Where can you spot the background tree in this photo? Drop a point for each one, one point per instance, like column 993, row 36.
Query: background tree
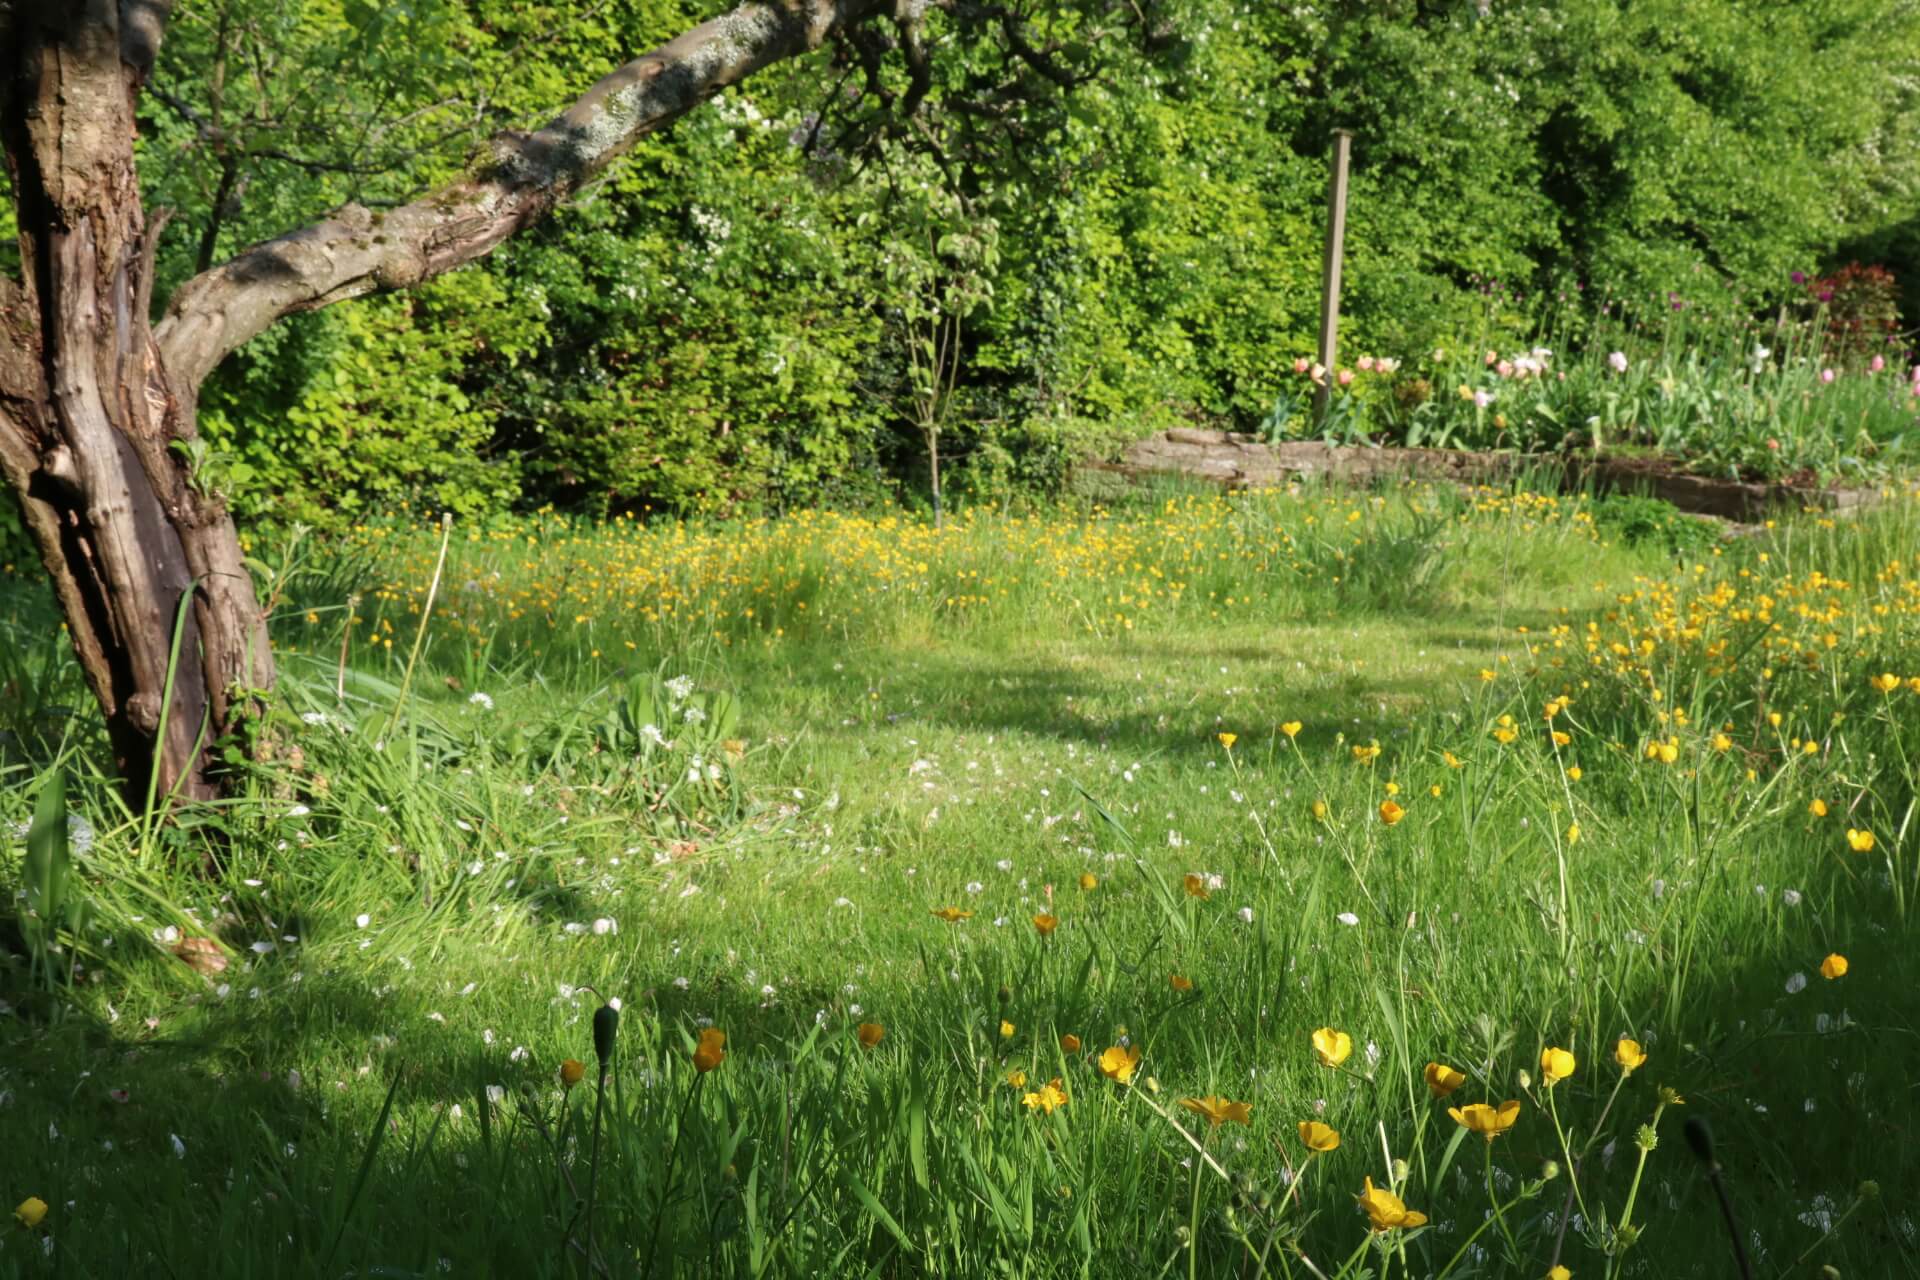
column 95, row 395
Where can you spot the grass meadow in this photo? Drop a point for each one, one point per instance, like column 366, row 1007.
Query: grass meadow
column 1301, row 884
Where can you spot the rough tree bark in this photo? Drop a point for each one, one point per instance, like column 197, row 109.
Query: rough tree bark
column 94, row 395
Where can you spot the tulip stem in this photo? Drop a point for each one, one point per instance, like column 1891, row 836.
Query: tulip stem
column 1193, row 1227
column 673, row 1157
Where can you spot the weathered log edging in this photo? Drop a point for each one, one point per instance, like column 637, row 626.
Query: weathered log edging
column 1236, row 461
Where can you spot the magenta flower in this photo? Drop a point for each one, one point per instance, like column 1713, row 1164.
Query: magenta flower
column 1799, row 277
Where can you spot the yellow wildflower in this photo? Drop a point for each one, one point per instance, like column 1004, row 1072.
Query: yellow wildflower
column 1006, row 1029
column 1319, row 1137
column 1291, row 728
column 572, row 1072
column 1118, row 1063
column 1217, row 1110
column 1089, row 881
column 1228, row 739
column 31, row 1213
column 1834, row 966
column 1442, row 1079
column 1049, row 1095
column 1818, row 808
column 870, row 1033
column 1390, row 812
column 1181, row 984
column 1046, row 923
column 1629, row 1055
column 1197, row 886
column 1017, row 1078
column 1069, row 1043
column 1332, row 1047
column 952, row 915
column 1484, row 1118
column 1860, row 841
column 1556, row 1065
column 1386, row 1210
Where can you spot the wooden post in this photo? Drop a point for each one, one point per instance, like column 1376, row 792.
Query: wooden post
column 1330, row 275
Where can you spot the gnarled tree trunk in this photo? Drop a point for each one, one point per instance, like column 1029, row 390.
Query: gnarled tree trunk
column 89, row 411
column 94, row 397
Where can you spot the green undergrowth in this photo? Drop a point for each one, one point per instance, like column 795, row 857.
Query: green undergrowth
column 432, row 878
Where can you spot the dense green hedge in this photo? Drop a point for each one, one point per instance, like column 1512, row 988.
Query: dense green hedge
column 713, row 328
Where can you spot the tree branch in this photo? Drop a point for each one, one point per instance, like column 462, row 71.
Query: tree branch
column 142, row 23
column 356, row 252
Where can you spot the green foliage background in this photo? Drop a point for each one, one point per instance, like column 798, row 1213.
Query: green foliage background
column 708, row 329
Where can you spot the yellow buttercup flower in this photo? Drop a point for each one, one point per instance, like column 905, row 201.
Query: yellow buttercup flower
column 1118, row 1063
column 1665, row 752
column 1561, row 739
column 1556, row 1065
column 870, row 1033
column 31, row 1212
column 1047, row 1097
column 1573, row 773
column 1197, row 886
column 1503, row 735
column 1320, row 810
column 952, row 915
column 1573, row 834
column 1017, row 1078
column 1885, row 682
column 1045, row 923
column 1332, row 1047
column 1006, row 1029
column 1453, row 761
column 1629, row 1055
column 1390, row 812
column 1818, row 808
column 1089, row 881
column 1558, row 1272
column 1485, row 1119
column 572, row 1072
column 1860, row 841
column 1291, row 728
column 1319, row 1137
column 1217, row 1110
column 1834, row 966
column 1069, row 1043
column 1367, row 754
column 1181, row 984
column 1228, row 739
column 1721, row 742
column 1386, row 1211
column 1442, row 1079
column 710, row 1052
